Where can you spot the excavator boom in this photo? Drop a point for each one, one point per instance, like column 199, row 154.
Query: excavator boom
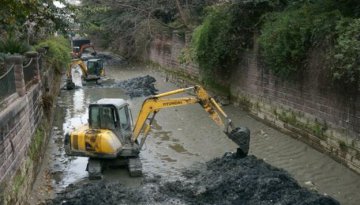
column 152, row 105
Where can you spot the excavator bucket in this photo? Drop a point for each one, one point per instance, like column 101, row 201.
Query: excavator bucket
column 241, row 136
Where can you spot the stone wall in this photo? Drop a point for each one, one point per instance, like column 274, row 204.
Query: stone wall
column 166, row 51
column 308, row 109
column 17, row 124
column 24, row 127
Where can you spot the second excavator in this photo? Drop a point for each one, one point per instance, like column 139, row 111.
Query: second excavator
column 109, row 137
column 92, row 70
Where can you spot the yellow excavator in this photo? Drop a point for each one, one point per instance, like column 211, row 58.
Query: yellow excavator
column 109, row 138
column 92, row 70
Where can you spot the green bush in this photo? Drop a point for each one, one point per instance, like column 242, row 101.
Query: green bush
column 211, row 41
column 287, row 36
column 345, row 69
column 13, row 46
column 58, row 55
column 225, row 33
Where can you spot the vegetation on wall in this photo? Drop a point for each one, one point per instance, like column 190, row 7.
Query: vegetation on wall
column 287, row 37
column 58, row 52
column 345, row 70
column 226, row 31
column 13, row 46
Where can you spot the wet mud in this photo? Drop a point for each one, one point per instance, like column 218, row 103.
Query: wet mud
column 226, row 180
column 139, row 86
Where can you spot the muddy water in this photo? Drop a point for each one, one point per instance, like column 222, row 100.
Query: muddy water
column 183, row 137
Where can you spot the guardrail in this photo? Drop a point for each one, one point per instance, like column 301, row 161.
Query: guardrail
column 20, row 73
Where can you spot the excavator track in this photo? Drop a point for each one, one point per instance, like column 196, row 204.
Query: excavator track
column 135, row 167
column 94, row 168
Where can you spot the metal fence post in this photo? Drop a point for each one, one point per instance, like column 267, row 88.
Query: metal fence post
column 35, row 63
column 17, row 60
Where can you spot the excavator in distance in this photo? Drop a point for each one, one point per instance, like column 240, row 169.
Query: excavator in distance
column 79, row 47
column 109, row 137
column 93, row 70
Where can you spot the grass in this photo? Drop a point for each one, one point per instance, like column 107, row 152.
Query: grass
column 19, row 179
column 36, row 143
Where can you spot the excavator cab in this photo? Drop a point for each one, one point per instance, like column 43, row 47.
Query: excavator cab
column 113, row 115
column 95, row 67
column 76, row 49
column 92, row 70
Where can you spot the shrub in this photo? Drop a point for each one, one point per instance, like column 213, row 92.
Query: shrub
column 225, row 33
column 345, row 69
column 287, row 36
column 59, row 52
column 13, row 46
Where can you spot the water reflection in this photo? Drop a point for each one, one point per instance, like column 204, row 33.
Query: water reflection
column 76, row 74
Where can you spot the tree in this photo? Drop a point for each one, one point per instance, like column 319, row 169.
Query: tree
column 128, row 26
column 26, row 18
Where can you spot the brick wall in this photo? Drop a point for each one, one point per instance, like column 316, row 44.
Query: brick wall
column 17, row 126
column 308, row 96
column 165, row 51
column 21, row 115
column 306, row 107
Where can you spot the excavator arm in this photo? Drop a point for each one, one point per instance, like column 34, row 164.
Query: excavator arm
column 81, row 50
column 74, row 63
column 152, row 106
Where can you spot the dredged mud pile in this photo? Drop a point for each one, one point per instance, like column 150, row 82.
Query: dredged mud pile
column 139, row 86
column 226, row 180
